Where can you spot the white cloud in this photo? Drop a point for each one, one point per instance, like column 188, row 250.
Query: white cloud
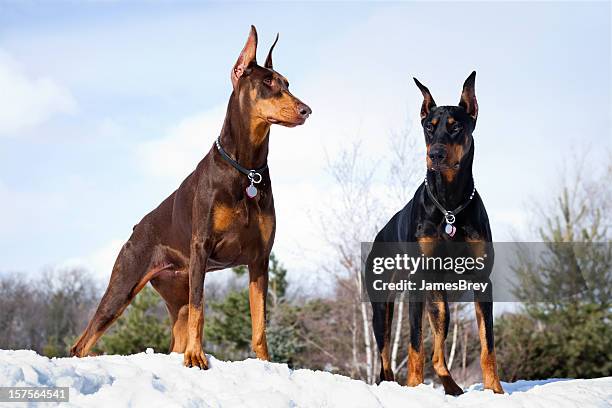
column 353, row 96
column 298, row 156
column 510, row 224
column 99, row 262
column 176, row 155
column 26, row 101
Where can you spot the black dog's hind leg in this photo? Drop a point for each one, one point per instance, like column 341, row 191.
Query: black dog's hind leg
column 437, row 309
column 488, row 363
column 382, row 317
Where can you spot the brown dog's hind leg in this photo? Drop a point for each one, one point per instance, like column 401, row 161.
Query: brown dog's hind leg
column 179, row 316
column 173, row 287
column 258, row 292
column 488, row 363
column 179, row 330
column 438, row 313
column 127, row 279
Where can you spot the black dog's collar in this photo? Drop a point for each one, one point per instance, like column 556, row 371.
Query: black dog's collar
column 253, row 173
column 449, row 215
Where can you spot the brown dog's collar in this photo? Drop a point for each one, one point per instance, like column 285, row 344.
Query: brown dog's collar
column 254, row 175
column 251, row 173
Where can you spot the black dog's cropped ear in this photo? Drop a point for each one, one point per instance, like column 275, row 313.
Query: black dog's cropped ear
column 268, row 63
column 247, row 56
column 428, row 101
column 468, row 96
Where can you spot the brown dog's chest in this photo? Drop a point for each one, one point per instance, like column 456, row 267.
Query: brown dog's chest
column 243, row 231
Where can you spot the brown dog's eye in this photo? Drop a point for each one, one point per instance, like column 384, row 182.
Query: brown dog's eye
column 267, row 81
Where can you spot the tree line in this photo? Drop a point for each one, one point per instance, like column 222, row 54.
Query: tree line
column 566, row 336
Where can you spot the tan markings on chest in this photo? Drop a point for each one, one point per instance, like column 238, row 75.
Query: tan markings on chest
column 223, row 216
column 427, row 245
column 477, row 246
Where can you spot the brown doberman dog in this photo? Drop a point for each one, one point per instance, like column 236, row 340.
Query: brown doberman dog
column 221, row 216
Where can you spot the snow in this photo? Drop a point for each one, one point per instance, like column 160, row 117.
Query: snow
column 160, row 380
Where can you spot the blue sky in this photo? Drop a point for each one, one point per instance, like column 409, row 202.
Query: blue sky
column 105, row 107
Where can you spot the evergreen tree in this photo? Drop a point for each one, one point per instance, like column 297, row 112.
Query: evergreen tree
column 565, row 329
column 284, row 342
column 140, row 327
column 277, row 285
column 228, row 328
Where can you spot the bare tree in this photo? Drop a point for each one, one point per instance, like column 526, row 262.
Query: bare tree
column 455, row 318
column 351, row 219
column 356, row 212
column 45, row 314
column 403, row 177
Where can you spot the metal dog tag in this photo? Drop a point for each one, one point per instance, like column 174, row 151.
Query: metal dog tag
column 251, row 191
column 450, row 230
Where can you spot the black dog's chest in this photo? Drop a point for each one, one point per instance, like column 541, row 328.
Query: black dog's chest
column 438, row 231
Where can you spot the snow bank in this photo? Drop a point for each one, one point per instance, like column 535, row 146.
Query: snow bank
column 160, row 380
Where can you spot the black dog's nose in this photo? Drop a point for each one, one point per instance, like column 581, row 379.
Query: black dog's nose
column 437, row 153
column 304, row 110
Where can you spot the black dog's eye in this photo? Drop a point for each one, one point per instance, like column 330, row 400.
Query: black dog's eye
column 268, row 81
column 429, row 128
column 456, row 129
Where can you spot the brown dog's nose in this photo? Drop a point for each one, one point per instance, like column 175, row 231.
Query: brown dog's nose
column 304, row 110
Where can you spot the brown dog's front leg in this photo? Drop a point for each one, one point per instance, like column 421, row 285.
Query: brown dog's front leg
column 258, row 292
column 194, row 354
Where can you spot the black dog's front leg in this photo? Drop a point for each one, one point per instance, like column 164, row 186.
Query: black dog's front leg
column 416, row 350
column 488, row 362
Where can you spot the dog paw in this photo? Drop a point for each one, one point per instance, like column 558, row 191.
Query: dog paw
column 450, row 386
column 195, row 358
column 495, row 387
column 76, row 351
column 453, row 390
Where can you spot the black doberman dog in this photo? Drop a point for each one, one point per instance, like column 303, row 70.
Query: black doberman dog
column 424, row 220
column 222, row 215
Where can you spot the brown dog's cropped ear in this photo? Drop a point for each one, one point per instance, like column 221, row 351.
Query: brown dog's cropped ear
column 428, row 101
column 468, row 96
column 247, row 56
column 268, row 63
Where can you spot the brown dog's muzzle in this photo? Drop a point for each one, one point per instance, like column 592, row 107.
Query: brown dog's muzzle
column 293, row 116
column 303, row 110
